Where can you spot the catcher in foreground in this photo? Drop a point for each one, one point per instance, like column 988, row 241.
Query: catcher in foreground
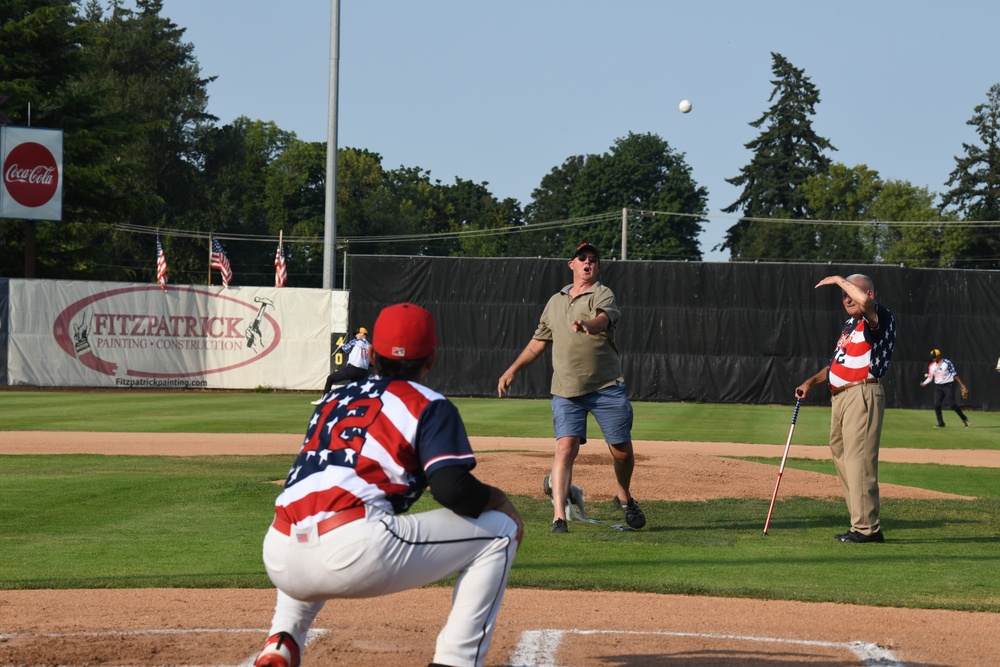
column 341, row 529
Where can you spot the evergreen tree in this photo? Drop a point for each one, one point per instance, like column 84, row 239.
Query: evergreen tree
column 975, row 194
column 40, row 55
column 785, row 154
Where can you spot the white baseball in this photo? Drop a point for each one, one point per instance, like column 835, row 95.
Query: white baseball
column 684, row 106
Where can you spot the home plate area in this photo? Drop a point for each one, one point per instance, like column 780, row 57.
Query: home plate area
column 536, row 628
column 599, row 648
column 536, row 648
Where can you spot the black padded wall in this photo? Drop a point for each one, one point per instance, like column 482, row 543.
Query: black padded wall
column 717, row 332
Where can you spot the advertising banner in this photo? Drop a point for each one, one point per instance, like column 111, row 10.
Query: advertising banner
column 124, row 335
column 32, row 178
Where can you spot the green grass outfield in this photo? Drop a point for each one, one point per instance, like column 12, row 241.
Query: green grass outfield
column 88, row 521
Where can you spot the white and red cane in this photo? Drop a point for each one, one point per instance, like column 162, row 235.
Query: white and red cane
column 781, row 469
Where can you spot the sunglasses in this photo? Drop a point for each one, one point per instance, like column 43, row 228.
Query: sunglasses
column 587, row 257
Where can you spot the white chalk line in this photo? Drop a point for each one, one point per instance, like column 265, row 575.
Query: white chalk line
column 537, row 648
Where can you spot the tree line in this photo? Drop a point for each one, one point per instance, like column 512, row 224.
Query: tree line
column 142, row 153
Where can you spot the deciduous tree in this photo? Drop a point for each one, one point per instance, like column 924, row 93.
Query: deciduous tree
column 640, row 172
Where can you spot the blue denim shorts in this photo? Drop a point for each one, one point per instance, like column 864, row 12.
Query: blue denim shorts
column 610, row 407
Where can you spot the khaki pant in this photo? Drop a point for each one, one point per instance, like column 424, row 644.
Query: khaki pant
column 855, row 431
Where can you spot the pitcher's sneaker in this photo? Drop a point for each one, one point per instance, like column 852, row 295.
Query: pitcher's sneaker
column 280, row 650
column 633, row 515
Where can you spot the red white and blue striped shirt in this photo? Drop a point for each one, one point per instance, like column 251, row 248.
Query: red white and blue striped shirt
column 372, row 442
column 862, row 352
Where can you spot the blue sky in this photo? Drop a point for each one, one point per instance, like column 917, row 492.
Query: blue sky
column 502, row 91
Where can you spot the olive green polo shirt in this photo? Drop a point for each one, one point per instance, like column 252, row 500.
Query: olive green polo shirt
column 581, row 363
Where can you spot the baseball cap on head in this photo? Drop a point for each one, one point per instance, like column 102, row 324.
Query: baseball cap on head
column 587, row 247
column 404, row 331
column 935, row 353
column 363, row 330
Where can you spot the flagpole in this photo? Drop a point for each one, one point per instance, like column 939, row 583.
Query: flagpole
column 281, row 236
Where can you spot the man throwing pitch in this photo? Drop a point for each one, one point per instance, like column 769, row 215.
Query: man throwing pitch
column 859, row 361
column 371, row 449
column 579, row 323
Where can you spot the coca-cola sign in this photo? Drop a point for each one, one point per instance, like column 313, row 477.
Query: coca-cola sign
column 31, row 178
column 30, row 174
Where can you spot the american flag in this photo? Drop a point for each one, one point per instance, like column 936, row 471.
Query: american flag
column 161, row 265
column 280, row 270
column 221, row 262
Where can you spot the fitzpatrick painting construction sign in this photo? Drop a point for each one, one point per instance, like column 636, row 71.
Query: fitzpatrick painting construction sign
column 66, row 333
column 32, row 177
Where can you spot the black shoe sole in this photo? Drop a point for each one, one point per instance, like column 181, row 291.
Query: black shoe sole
column 859, row 538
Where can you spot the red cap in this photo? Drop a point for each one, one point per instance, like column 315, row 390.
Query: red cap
column 404, row 331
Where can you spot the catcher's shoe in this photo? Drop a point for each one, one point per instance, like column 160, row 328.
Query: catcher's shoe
column 634, row 517
column 280, row 650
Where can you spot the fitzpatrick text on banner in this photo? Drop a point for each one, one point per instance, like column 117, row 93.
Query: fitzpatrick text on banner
column 137, row 336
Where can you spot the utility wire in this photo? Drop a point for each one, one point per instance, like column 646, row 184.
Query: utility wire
column 544, row 226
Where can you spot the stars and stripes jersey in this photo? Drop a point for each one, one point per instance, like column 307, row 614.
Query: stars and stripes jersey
column 862, row 352
column 940, row 372
column 372, row 442
column 358, row 349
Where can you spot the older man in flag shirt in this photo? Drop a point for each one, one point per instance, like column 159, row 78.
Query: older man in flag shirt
column 339, row 531
column 859, row 362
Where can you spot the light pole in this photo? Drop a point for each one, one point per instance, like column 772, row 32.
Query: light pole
column 330, row 218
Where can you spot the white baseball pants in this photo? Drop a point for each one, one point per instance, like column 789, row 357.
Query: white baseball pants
column 385, row 553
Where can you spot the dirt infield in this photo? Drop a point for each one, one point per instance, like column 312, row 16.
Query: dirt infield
column 152, row 627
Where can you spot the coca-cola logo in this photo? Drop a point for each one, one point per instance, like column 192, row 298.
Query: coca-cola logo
column 30, row 174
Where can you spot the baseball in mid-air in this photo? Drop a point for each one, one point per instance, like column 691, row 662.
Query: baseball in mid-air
column 685, row 106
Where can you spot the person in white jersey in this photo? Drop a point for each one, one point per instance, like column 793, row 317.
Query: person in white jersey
column 944, row 376
column 357, row 363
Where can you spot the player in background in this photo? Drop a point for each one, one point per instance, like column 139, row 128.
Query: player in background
column 356, row 366
column 340, row 530
column 944, row 376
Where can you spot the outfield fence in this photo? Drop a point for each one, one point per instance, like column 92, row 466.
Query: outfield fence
column 694, row 331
